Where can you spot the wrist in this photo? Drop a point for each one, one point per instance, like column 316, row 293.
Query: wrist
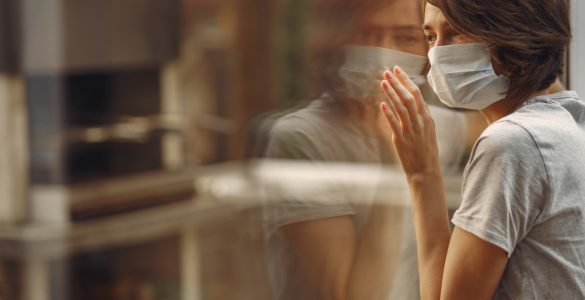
column 425, row 178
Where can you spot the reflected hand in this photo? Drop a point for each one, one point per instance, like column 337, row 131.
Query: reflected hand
column 412, row 125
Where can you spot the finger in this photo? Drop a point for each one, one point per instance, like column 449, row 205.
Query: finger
column 423, row 108
column 392, row 120
column 413, row 89
column 400, row 110
column 405, row 97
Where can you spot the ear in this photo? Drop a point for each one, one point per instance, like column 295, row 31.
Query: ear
column 498, row 62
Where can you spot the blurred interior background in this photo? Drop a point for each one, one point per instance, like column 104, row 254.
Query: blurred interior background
column 129, row 136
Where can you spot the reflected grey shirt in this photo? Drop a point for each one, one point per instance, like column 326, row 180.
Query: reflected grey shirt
column 315, row 133
column 524, row 191
column 319, row 133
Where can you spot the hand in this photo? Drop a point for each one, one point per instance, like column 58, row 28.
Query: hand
column 412, row 125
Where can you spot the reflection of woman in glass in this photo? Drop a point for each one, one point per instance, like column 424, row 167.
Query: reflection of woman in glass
column 347, row 249
column 520, row 231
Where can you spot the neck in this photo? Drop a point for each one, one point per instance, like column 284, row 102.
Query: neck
column 355, row 110
column 504, row 107
column 362, row 115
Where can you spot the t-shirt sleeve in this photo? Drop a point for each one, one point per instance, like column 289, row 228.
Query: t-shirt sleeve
column 293, row 138
column 504, row 186
column 297, row 139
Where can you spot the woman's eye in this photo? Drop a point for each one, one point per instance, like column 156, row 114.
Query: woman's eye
column 406, row 39
column 379, row 36
column 430, row 38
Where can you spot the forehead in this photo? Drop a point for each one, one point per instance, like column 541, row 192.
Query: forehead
column 434, row 18
column 398, row 13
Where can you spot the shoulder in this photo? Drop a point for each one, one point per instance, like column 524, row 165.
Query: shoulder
column 297, row 135
column 508, row 159
column 293, row 123
column 506, row 138
column 315, row 116
column 505, row 186
column 295, row 126
column 550, row 118
column 506, row 154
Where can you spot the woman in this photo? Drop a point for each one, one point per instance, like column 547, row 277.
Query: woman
column 330, row 245
column 520, row 231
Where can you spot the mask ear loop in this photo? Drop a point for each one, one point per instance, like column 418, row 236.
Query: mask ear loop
column 499, row 61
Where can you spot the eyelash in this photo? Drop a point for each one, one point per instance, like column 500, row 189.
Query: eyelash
column 430, row 38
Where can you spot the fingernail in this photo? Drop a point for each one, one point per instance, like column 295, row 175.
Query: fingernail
column 388, row 75
column 385, row 106
column 386, row 85
column 397, row 70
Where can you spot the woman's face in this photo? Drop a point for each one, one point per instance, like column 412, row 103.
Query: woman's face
column 438, row 32
column 396, row 26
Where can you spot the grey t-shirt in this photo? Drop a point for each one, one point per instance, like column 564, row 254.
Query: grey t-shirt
column 319, row 133
column 524, row 191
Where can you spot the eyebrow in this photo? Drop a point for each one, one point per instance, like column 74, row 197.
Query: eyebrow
column 444, row 25
column 395, row 27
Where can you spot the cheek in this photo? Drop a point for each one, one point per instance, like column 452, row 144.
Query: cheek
column 443, row 40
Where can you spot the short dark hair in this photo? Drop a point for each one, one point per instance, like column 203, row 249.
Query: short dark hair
column 528, row 38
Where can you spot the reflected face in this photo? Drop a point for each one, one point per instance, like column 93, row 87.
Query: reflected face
column 396, row 27
column 438, row 32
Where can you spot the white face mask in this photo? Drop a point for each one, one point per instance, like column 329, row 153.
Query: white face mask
column 462, row 76
column 362, row 71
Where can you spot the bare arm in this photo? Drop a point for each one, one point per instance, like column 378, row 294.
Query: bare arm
column 325, row 249
column 341, row 266
column 446, row 264
column 473, row 267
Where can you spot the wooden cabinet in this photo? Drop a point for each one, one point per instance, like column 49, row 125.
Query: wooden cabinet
column 78, row 36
